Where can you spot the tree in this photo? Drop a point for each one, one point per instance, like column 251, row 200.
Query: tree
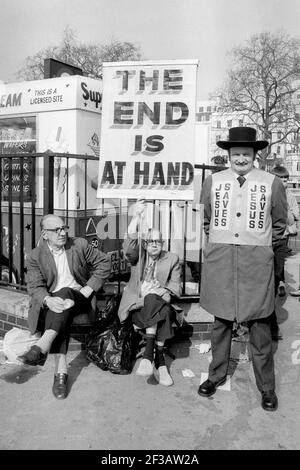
column 89, row 57
column 220, row 160
column 262, row 85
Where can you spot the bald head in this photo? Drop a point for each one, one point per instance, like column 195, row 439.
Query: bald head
column 50, row 217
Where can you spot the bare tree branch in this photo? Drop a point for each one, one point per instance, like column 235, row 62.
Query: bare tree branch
column 262, row 82
column 88, row 57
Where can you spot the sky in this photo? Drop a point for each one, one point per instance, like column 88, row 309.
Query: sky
column 164, row 29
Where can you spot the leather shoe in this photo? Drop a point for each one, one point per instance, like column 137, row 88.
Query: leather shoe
column 34, row 357
column 59, row 388
column 269, row 400
column 208, row 388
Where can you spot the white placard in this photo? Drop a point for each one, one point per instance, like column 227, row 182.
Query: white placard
column 147, row 134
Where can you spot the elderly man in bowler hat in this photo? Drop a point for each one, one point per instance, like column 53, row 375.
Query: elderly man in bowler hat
column 245, row 211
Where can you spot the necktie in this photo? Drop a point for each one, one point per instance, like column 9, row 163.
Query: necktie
column 149, row 271
column 241, row 180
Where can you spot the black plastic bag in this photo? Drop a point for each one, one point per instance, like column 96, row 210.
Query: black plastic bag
column 108, row 314
column 115, row 348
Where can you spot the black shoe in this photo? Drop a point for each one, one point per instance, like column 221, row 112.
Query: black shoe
column 269, row 400
column 208, row 388
column 34, row 357
column 60, row 388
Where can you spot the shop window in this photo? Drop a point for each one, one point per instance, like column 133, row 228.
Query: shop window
column 18, row 135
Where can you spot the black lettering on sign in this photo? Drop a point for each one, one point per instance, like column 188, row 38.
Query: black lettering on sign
column 91, row 95
column 17, row 173
column 222, row 194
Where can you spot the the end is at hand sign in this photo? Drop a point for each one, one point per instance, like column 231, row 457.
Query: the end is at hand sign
column 147, row 135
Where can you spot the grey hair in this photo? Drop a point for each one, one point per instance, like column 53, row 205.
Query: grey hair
column 46, row 217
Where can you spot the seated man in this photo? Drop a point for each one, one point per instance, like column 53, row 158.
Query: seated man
column 63, row 273
column 155, row 275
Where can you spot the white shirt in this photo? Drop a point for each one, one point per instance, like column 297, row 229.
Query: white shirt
column 64, row 276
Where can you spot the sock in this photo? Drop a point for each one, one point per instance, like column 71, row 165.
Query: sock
column 149, row 350
column 46, row 340
column 159, row 357
column 60, row 364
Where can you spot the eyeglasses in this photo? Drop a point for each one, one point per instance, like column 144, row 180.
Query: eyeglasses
column 152, row 242
column 64, row 228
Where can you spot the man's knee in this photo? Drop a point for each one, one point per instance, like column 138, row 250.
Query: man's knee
column 64, row 293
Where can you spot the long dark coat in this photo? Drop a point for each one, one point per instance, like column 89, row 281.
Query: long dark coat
column 237, row 281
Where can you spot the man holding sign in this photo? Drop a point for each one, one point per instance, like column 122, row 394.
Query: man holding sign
column 245, row 213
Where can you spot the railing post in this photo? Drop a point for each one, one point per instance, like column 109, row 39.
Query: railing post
column 48, row 183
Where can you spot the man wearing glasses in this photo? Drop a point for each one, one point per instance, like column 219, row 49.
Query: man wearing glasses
column 63, row 274
column 155, row 276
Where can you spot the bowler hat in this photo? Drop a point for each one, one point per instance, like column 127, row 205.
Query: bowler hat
column 242, row 137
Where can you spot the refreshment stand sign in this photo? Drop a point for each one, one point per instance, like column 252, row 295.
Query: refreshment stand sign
column 147, row 132
column 61, row 115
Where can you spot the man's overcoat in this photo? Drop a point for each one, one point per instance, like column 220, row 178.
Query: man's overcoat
column 241, row 223
column 168, row 273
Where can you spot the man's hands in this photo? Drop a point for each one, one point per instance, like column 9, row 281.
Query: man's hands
column 166, row 297
column 55, row 303
column 138, row 214
column 140, row 208
column 58, row 305
column 86, row 291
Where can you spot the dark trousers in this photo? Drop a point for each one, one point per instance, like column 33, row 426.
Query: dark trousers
column 261, row 349
column 61, row 322
column 280, row 254
column 155, row 312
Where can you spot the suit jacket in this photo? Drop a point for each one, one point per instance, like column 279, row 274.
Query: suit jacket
column 168, row 273
column 88, row 265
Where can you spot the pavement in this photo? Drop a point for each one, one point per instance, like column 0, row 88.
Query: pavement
column 104, row 411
